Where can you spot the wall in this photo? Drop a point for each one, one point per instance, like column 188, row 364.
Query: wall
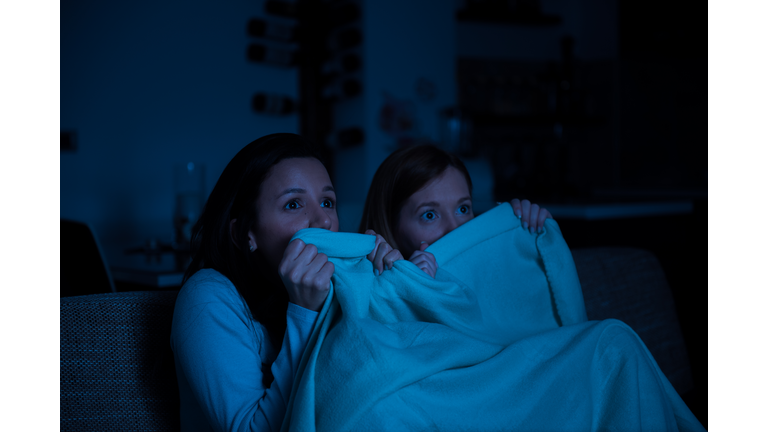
column 146, row 85
column 404, row 42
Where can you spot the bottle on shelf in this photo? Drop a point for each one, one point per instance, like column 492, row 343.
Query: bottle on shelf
column 277, row 31
column 276, row 56
column 346, row 138
column 273, row 104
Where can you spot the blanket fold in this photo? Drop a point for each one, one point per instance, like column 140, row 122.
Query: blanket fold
column 498, row 340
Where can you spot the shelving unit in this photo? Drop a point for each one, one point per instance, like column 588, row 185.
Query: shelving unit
column 315, row 27
column 541, row 105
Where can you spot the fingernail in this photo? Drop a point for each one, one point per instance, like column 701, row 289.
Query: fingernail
column 423, row 242
column 519, row 215
column 525, row 225
column 375, row 272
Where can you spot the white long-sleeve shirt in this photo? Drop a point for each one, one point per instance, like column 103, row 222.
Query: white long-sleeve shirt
column 221, row 354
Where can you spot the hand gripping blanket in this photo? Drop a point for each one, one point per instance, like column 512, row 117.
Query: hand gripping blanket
column 497, row 341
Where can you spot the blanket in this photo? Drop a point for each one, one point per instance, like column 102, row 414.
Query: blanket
column 498, row 340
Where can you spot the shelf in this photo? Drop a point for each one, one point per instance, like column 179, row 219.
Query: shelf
column 618, row 211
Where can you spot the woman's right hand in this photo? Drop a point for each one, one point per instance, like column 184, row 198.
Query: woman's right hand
column 306, row 275
column 531, row 215
column 382, row 256
column 424, row 260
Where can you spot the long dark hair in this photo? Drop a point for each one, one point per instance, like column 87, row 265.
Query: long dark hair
column 402, row 174
column 234, row 197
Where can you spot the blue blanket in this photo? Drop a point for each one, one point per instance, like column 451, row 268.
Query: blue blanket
column 498, row 340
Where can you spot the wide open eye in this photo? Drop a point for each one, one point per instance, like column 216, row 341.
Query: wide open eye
column 293, row 205
column 429, row 216
column 328, row 203
column 464, row 209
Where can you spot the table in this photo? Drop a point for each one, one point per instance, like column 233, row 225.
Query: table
column 146, row 271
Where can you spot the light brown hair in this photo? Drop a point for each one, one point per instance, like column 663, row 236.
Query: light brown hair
column 402, row 174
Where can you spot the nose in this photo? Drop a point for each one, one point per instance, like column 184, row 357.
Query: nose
column 319, row 218
column 450, row 224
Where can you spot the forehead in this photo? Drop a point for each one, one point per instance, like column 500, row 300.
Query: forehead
column 297, row 169
column 450, row 185
column 302, row 173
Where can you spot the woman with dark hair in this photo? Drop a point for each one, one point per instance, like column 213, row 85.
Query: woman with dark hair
column 251, row 295
column 419, row 194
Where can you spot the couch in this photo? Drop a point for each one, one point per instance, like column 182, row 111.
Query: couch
column 117, row 370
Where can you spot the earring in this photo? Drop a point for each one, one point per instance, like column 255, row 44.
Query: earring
column 252, row 248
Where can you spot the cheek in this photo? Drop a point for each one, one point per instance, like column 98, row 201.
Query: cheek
column 334, row 222
column 402, row 237
column 414, row 233
column 275, row 237
column 466, row 219
column 431, row 236
column 288, row 229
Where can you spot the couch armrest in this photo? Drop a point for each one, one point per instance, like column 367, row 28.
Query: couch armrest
column 628, row 284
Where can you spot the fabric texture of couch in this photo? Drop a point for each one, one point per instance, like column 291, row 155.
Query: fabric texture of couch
column 116, row 365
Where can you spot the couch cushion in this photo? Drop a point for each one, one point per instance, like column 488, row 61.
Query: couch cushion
column 116, row 365
column 629, row 284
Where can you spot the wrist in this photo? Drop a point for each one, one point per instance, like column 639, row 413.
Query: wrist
column 301, row 313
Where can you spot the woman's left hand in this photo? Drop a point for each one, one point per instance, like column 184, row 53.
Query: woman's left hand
column 424, row 260
column 531, row 215
column 382, row 256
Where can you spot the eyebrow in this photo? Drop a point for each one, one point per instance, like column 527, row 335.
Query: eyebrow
column 301, row 191
column 428, row 204
column 437, row 204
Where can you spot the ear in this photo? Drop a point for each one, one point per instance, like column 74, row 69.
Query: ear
column 251, row 236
